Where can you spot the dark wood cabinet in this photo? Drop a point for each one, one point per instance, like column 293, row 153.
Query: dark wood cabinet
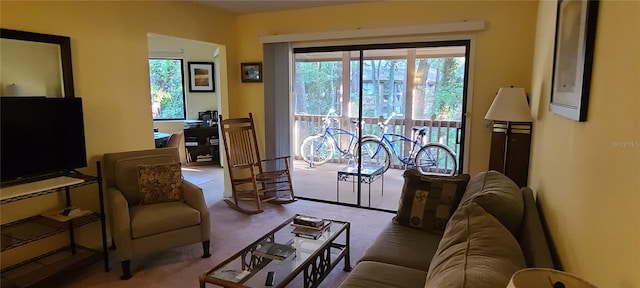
column 202, row 145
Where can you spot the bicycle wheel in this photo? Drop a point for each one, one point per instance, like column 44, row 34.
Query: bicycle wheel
column 374, row 153
column 436, row 159
column 316, row 150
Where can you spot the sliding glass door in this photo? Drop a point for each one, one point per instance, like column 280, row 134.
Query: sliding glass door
column 363, row 112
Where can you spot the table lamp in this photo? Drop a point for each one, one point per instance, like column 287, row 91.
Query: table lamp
column 13, row 90
column 546, row 278
column 511, row 138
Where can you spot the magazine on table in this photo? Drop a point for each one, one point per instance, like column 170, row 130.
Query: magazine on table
column 66, row 214
column 275, row 251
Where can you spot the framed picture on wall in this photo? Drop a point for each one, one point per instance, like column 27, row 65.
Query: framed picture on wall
column 201, row 77
column 251, row 72
column 573, row 57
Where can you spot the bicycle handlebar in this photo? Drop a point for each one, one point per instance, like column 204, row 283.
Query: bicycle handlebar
column 328, row 118
column 383, row 124
column 331, row 116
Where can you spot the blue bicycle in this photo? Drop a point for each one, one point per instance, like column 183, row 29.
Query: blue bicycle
column 320, row 148
column 430, row 158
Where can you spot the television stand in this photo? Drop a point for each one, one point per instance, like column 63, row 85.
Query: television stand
column 38, row 269
column 38, row 186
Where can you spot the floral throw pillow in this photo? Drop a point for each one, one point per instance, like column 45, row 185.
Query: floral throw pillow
column 160, row 183
column 427, row 202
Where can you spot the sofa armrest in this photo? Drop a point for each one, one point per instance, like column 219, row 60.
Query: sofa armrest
column 532, row 236
column 194, row 197
column 121, row 223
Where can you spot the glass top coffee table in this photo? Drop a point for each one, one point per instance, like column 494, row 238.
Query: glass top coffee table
column 315, row 258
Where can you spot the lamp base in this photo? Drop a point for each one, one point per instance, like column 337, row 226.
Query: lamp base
column 510, row 150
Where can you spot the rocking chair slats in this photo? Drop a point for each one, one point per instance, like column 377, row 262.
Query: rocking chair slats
column 250, row 180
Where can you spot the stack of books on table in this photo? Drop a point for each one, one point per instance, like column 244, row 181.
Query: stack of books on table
column 308, row 221
column 275, row 251
column 309, row 227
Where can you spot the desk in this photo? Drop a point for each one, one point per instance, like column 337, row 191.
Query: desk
column 161, row 139
column 369, row 173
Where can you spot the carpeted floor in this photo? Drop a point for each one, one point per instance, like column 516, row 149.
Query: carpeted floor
column 231, row 231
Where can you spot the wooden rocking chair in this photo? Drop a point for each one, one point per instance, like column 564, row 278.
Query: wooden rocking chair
column 251, row 177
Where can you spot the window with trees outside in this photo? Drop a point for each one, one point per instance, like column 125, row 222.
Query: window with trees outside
column 437, row 85
column 167, row 90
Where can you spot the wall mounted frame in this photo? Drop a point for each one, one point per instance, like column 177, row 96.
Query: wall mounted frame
column 573, row 57
column 65, row 53
column 251, row 72
column 201, row 77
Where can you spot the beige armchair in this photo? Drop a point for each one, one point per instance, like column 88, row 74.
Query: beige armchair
column 144, row 229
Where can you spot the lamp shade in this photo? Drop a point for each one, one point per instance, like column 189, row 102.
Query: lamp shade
column 510, row 104
column 546, row 278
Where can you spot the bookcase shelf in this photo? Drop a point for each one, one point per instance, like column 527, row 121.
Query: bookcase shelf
column 202, row 145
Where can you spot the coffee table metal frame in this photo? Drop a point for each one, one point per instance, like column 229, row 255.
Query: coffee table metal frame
column 369, row 173
column 316, row 266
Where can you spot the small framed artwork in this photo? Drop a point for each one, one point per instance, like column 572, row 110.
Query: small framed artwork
column 573, row 57
column 251, row 72
column 201, row 77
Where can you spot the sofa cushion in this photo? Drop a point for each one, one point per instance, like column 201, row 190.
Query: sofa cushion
column 369, row 274
column 427, row 202
column 476, row 251
column 160, row 183
column 499, row 196
column 147, row 220
column 403, row 246
column 126, row 174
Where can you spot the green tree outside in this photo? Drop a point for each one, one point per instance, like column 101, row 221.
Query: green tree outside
column 167, row 91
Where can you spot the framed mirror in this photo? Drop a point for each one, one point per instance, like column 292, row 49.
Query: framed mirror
column 35, row 64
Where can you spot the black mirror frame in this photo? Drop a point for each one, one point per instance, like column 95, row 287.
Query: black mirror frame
column 65, row 52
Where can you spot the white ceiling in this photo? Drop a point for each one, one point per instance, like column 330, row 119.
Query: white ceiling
column 248, row 7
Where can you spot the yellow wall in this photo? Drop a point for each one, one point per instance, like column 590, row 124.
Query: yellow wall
column 503, row 51
column 587, row 175
column 109, row 52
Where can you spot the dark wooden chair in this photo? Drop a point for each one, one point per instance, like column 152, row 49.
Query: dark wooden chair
column 174, row 139
column 253, row 180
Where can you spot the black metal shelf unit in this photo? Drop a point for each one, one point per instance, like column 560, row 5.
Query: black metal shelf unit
column 34, row 228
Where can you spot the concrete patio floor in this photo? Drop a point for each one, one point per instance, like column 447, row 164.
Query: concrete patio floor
column 321, row 182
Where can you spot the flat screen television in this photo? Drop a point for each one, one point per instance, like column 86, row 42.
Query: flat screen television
column 40, row 137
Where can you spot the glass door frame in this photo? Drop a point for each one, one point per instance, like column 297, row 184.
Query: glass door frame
column 361, row 48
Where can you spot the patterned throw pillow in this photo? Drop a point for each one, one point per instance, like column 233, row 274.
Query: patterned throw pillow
column 427, row 202
column 160, row 183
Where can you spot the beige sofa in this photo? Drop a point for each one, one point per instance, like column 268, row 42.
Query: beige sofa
column 494, row 231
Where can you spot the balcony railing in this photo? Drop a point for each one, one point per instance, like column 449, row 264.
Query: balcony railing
column 443, row 132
